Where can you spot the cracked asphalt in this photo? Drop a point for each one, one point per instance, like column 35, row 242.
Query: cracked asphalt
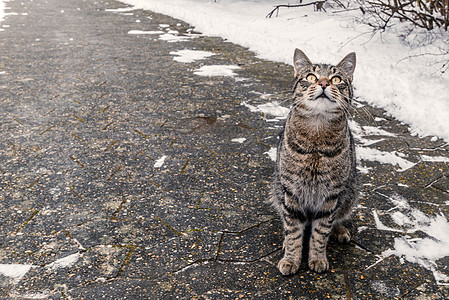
column 120, row 177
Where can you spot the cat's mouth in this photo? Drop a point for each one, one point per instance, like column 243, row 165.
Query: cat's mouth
column 323, row 96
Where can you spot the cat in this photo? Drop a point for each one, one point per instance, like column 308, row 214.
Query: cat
column 315, row 181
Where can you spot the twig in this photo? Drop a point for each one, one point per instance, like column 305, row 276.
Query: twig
column 318, row 6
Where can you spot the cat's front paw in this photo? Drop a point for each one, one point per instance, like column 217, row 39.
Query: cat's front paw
column 287, row 267
column 319, row 265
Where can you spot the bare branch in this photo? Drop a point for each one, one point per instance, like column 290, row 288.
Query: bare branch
column 318, row 6
column 425, row 14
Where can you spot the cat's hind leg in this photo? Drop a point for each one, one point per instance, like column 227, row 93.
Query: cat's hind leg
column 341, row 233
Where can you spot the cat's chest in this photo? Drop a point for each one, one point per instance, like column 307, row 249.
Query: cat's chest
column 306, row 168
column 311, row 166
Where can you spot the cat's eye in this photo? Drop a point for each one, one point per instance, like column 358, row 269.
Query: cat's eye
column 311, row 78
column 336, row 80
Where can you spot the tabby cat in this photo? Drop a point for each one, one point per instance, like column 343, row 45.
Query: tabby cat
column 314, row 182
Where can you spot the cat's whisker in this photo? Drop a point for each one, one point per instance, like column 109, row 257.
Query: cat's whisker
column 367, row 112
column 345, row 108
column 349, row 106
column 363, row 108
column 370, row 115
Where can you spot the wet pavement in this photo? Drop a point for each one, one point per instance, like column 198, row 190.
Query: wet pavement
column 125, row 175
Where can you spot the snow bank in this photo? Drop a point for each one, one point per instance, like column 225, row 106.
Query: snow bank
column 389, row 74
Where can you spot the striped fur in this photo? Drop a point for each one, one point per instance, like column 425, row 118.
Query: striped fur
column 315, row 174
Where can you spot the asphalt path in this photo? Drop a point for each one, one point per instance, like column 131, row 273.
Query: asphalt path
column 126, row 175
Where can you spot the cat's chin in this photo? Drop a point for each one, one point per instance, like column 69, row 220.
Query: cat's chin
column 321, row 106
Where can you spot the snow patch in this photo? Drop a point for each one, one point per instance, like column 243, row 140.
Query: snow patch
column 399, row 201
column 272, row 153
column 36, row 295
column 371, row 130
column 15, row 271
column 189, row 56
column 158, row 163
column 435, row 158
column 423, row 251
column 174, row 38
column 238, row 140
column 217, row 70
column 145, row 32
column 120, row 10
column 360, row 132
column 392, row 158
column 380, row 225
column 64, row 262
column 364, row 169
column 271, row 108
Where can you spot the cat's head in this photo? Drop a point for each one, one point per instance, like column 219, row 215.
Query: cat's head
column 323, row 88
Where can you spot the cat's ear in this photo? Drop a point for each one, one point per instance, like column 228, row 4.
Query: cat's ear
column 300, row 60
column 347, row 65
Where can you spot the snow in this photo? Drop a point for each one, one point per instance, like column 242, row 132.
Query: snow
column 174, row 38
column 401, row 76
column 217, row 70
column 424, row 251
column 435, row 158
column 393, row 158
column 371, row 130
column 399, row 202
column 238, row 140
column 371, row 154
column 189, row 56
column 36, row 295
column 272, row 153
column 380, row 225
column 14, row 271
column 158, row 163
column 64, row 262
column 145, row 32
column 271, row 108
column 120, row 10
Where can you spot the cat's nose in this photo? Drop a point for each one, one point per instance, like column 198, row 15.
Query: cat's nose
column 324, row 82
